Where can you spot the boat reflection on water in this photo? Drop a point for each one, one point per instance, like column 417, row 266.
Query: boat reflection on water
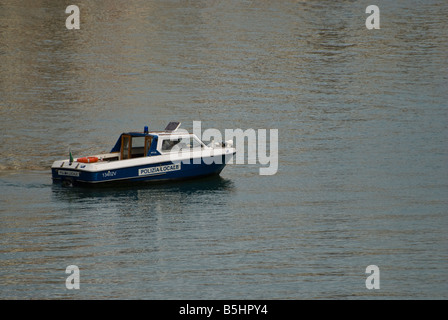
column 171, row 196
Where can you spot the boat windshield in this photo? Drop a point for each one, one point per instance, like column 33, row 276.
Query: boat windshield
column 180, row 144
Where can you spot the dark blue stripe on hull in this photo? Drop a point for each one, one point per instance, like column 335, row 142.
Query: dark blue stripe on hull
column 142, row 173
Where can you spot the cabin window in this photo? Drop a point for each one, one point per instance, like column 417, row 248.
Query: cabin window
column 135, row 147
column 168, row 144
column 180, row 144
column 138, row 147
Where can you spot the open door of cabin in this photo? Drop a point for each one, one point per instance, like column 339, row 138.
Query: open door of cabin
column 134, row 146
column 125, row 147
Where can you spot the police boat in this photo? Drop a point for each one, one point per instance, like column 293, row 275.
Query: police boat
column 171, row 154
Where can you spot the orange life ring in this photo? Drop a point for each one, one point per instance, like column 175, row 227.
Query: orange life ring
column 87, row 159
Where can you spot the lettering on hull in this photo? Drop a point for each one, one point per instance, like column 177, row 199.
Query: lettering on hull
column 68, row 173
column 159, row 169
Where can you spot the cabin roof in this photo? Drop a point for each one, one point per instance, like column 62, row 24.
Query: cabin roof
column 156, row 133
column 170, row 129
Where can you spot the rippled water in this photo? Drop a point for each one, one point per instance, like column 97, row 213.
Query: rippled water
column 363, row 167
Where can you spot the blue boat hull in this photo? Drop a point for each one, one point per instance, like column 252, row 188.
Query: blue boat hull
column 165, row 171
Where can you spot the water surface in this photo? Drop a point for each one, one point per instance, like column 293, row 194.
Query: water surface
column 363, row 171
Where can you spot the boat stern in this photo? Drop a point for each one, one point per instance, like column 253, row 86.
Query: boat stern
column 67, row 171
